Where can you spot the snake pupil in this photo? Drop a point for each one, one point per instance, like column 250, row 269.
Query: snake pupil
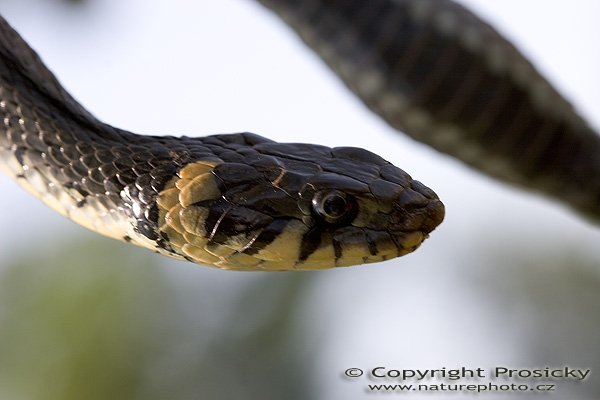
column 333, row 206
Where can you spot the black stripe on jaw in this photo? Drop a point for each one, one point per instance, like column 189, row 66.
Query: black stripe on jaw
column 337, row 248
column 372, row 238
column 350, row 236
column 311, row 241
column 267, row 236
column 216, row 212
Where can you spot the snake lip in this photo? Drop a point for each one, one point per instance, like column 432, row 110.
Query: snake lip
column 435, row 212
column 424, row 219
column 423, row 207
column 416, row 225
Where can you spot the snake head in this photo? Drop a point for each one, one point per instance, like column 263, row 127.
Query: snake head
column 294, row 207
column 367, row 213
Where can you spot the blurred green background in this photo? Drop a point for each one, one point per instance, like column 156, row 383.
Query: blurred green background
column 508, row 280
column 119, row 326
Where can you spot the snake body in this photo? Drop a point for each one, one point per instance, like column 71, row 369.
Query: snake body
column 429, row 67
column 434, row 70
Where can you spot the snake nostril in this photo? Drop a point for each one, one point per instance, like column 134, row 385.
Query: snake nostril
column 415, row 212
column 410, row 200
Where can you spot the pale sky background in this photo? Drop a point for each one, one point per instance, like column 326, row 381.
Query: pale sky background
column 196, row 68
column 214, row 67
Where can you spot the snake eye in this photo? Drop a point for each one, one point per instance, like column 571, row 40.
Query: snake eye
column 334, row 206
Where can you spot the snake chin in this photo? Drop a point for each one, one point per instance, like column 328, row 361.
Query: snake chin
column 403, row 231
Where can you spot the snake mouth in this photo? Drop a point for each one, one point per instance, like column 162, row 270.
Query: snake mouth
column 413, row 223
column 434, row 214
column 425, row 220
column 417, row 208
column 363, row 245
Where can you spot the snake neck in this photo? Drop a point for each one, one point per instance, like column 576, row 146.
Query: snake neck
column 59, row 152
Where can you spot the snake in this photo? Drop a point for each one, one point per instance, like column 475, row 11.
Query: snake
column 432, row 69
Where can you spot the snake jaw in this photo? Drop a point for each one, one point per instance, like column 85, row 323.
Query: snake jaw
column 398, row 226
column 390, row 214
